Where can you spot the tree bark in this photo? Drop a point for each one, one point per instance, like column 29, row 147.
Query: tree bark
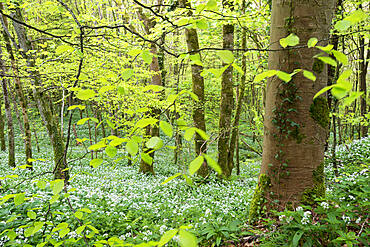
column 2, row 133
column 19, row 91
column 364, row 62
column 11, row 147
column 293, row 146
column 43, row 103
column 198, row 89
column 226, row 105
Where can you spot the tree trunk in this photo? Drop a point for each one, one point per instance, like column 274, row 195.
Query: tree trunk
column 293, row 146
column 2, row 133
column 11, row 148
column 43, row 103
column 364, row 62
column 19, row 91
column 226, row 105
column 198, row 89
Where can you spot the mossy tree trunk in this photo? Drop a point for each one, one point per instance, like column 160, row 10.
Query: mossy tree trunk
column 198, row 89
column 43, row 103
column 19, row 91
column 293, row 146
column 8, row 112
column 227, row 102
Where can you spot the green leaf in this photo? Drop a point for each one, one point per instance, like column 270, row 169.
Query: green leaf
column 322, row 91
column 328, row 60
column 340, row 57
column 93, row 229
column 167, row 236
column 312, row 42
column 127, row 74
column 147, row 158
column 202, row 24
column 72, row 107
column 28, row 232
column 78, row 214
column 195, row 59
column 264, row 75
column 327, row 48
column 57, row 186
column 147, row 56
column 166, row 128
column 290, row 40
column 85, row 94
column 213, row 164
column 211, row 5
column 218, row 72
column 80, row 229
column 82, row 121
column 96, row 162
column 342, row 25
column 117, row 141
column 171, row 178
column 283, row 76
column 154, row 143
column 202, row 134
column 344, row 76
column 54, row 198
column 309, row 75
column 189, row 133
column 64, row 232
column 340, row 90
column 297, row 236
column 187, row 239
column 226, row 56
column 356, row 16
column 41, row 184
column 132, row 147
column 37, row 226
column 86, row 210
column 142, row 123
column 237, row 68
column 351, row 98
column 31, row 215
column 11, row 235
column 195, row 165
column 97, row 146
column 63, row 48
column 111, row 151
column 19, row 199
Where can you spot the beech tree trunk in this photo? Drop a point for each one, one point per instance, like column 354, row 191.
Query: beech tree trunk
column 198, row 89
column 364, row 62
column 227, row 105
column 293, row 146
column 8, row 112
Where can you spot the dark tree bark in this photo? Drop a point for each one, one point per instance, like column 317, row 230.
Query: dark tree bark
column 2, row 126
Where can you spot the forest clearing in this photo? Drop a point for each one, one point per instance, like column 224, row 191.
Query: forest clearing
column 184, row 123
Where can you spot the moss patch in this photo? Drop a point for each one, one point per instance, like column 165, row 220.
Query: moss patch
column 320, row 111
column 318, row 189
column 318, row 66
column 258, row 197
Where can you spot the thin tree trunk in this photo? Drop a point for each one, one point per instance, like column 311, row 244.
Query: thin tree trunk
column 22, row 99
column 43, row 103
column 2, row 126
column 226, row 105
column 198, row 89
column 364, row 62
column 11, row 147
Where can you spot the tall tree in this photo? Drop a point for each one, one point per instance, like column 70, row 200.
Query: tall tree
column 2, row 132
column 8, row 112
column 227, row 101
column 19, row 92
column 295, row 124
column 43, row 103
column 198, row 89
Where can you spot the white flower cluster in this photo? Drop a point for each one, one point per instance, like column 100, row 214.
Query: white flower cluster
column 306, row 217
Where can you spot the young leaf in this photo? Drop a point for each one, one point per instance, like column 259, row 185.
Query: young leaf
column 57, row 186
column 226, row 56
column 291, row 40
column 111, row 151
column 96, row 162
column 322, row 91
column 127, row 73
column 328, row 60
column 309, row 75
column 189, row 133
column 195, row 165
column 283, row 76
column 82, row 121
column 340, row 57
column 154, row 143
column 187, row 239
column 132, row 147
column 342, row 25
column 202, row 134
column 146, row 158
column 297, row 236
column 31, row 215
column 167, row 236
column 312, row 42
column 85, row 94
column 147, row 56
column 171, row 178
column 166, row 128
column 264, row 75
column 213, row 164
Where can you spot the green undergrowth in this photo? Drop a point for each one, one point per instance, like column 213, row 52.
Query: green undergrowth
column 120, row 202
